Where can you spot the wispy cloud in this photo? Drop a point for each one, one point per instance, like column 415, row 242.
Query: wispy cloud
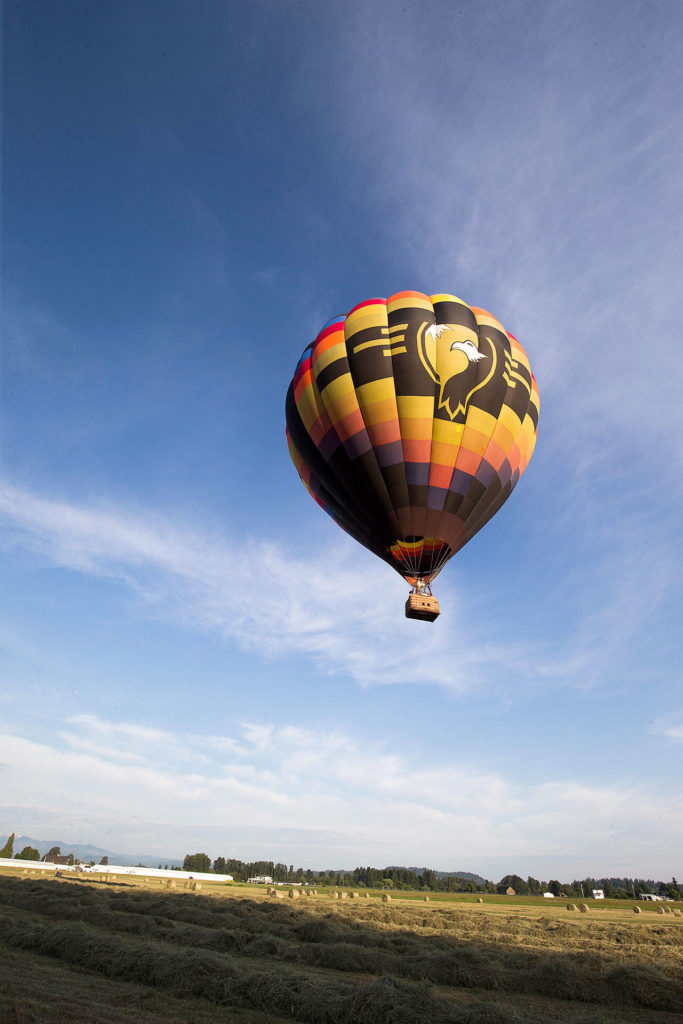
column 370, row 805
column 669, row 726
column 557, row 208
column 279, row 601
column 262, row 596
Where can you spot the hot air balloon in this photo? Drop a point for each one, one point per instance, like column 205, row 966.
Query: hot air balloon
column 410, row 421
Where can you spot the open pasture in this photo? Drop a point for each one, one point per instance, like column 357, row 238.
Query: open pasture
column 132, row 951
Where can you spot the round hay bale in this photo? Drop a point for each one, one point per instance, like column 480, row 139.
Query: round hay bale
column 426, row 899
column 636, row 910
column 676, row 911
column 354, row 895
column 343, row 896
column 291, row 894
column 667, row 910
column 660, row 910
column 583, row 908
column 367, row 895
column 479, row 899
column 571, row 906
column 386, row 898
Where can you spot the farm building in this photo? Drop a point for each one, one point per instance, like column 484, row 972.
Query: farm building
column 650, row 897
column 598, row 894
column 32, row 865
column 260, row 880
column 548, row 895
column 113, row 869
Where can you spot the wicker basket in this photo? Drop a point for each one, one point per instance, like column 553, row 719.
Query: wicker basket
column 421, row 606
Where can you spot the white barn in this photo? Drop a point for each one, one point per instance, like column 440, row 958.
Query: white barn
column 114, row 869
column 120, row 869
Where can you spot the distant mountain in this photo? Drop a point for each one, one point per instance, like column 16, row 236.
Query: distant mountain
column 87, row 852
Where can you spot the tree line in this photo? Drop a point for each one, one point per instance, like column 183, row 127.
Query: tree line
column 428, row 880
column 396, row 878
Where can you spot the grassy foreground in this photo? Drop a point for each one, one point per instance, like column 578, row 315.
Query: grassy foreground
column 89, row 951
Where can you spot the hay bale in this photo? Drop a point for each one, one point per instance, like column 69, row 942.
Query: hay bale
column 571, row 906
column 583, row 907
column 667, row 910
column 660, row 910
column 479, row 899
column 676, row 911
column 386, row 898
column 367, row 895
column 291, row 894
column 636, row 910
column 343, row 896
column 426, row 899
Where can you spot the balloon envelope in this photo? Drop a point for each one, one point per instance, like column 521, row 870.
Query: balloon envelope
column 410, row 421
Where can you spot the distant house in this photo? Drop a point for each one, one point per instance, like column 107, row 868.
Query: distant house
column 548, row 895
column 51, row 858
column 510, row 891
column 260, row 880
column 650, row 897
column 598, row 894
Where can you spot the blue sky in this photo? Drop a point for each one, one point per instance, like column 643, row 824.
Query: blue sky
column 194, row 657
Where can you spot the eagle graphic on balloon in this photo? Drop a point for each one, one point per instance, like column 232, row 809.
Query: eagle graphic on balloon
column 410, row 421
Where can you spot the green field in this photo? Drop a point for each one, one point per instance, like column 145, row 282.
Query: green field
column 75, row 950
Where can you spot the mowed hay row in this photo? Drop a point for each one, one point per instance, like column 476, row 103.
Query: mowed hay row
column 219, row 980
column 371, row 920
column 393, row 941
